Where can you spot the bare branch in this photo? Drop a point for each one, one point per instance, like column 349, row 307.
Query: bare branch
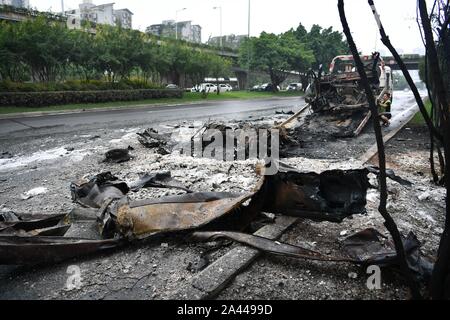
column 389, row 222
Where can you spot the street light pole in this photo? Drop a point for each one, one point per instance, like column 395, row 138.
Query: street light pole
column 62, row 7
column 221, row 34
column 176, row 22
column 249, row 48
column 249, row 10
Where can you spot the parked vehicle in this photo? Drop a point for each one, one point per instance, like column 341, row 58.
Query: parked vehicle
column 172, row 86
column 195, row 89
column 207, row 87
column 263, row 87
column 294, row 87
column 225, row 88
column 268, row 87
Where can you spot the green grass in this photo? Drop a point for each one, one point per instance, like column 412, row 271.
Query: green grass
column 187, row 98
column 418, row 118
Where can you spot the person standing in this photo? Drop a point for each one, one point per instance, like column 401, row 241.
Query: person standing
column 385, row 109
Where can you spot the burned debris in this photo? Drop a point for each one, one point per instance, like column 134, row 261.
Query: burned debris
column 338, row 101
column 161, row 180
column 96, row 191
column 142, row 219
column 372, row 248
column 365, row 248
column 19, row 250
column 338, row 108
column 151, row 139
column 13, row 224
column 5, row 155
column 330, row 195
column 118, row 155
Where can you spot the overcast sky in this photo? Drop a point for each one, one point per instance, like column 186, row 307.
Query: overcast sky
column 274, row 16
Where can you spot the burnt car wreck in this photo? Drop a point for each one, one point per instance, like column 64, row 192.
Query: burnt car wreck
column 338, row 99
column 328, row 196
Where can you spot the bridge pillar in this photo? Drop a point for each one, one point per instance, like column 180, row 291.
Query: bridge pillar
column 242, row 77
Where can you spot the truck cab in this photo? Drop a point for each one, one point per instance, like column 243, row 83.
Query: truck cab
column 343, row 68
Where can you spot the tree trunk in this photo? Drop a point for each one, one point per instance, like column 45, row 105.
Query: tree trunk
column 440, row 282
column 389, row 222
column 218, row 86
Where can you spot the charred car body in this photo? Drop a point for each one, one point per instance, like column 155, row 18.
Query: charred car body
column 338, row 100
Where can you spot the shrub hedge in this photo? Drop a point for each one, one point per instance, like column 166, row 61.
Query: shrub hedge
column 75, row 85
column 41, row 99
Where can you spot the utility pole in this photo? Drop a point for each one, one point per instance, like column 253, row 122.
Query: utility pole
column 176, row 22
column 62, row 7
column 249, row 16
column 249, row 47
column 221, row 34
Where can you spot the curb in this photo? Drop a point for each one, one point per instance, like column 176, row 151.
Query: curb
column 373, row 151
column 210, row 282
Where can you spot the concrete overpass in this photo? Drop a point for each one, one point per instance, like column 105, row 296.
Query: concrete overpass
column 412, row 61
column 13, row 14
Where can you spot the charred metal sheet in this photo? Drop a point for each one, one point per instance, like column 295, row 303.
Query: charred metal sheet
column 158, row 180
column 372, row 248
column 391, row 175
column 57, row 231
column 100, row 188
column 118, row 155
column 103, row 187
column 9, row 217
column 43, row 250
column 55, row 225
column 329, row 196
column 142, row 219
column 150, row 138
column 364, row 248
column 269, row 246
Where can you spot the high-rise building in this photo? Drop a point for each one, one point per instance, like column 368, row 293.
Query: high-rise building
column 185, row 29
column 124, row 18
column 229, row 41
column 99, row 14
column 16, row 3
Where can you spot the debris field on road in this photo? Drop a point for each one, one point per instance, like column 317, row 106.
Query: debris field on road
column 143, row 190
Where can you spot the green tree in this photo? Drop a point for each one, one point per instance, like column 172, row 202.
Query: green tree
column 220, row 67
column 325, row 43
column 11, row 61
column 277, row 55
column 119, row 51
column 299, row 56
column 177, row 59
column 84, row 55
column 147, row 59
column 199, row 66
column 45, row 47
